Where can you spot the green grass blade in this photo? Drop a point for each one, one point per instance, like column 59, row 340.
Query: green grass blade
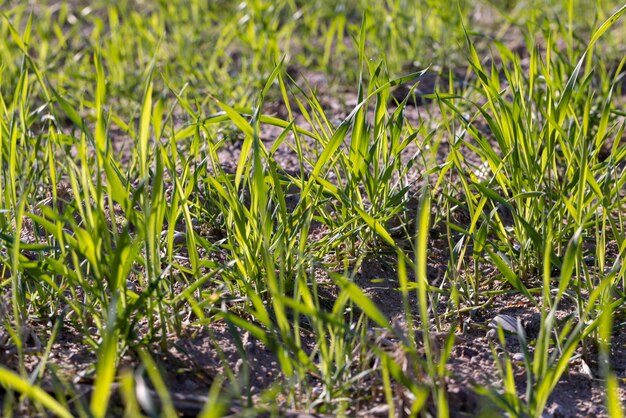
column 106, row 367
column 19, row 384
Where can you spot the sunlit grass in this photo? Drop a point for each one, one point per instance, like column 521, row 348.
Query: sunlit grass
column 122, row 223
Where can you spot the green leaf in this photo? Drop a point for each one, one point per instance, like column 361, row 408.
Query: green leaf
column 569, row 262
column 106, row 366
column 376, row 226
column 509, row 274
column 144, row 126
column 11, row 380
column 70, row 112
column 355, row 293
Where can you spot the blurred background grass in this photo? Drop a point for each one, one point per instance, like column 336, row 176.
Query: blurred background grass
column 227, row 48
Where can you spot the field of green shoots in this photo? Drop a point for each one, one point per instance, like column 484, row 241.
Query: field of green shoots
column 388, row 208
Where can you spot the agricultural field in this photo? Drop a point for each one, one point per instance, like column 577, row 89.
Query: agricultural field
column 388, row 208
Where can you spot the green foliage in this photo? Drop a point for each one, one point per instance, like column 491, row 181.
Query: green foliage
column 121, row 220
